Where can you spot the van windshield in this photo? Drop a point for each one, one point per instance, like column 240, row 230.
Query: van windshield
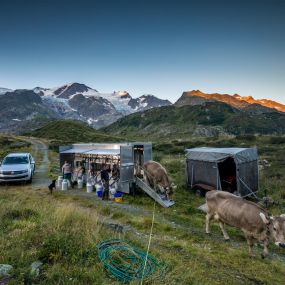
column 15, row 160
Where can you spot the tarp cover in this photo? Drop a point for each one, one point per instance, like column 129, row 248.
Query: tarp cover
column 240, row 155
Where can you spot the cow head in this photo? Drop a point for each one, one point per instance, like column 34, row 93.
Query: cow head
column 276, row 227
column 169, row 190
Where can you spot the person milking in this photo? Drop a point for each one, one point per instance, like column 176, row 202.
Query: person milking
column 105, row 180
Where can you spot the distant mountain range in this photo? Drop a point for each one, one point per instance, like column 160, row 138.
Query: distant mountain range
column 210, row 119
column 23, row 110
column 196, row 97
column 71, row 101
column 204, row 115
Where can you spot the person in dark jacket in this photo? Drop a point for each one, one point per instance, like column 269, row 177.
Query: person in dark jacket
column 105, row 181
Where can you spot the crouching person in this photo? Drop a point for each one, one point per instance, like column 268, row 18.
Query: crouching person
column 105, row 181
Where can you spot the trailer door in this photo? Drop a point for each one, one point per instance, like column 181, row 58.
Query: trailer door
column 126, row 167
column 147, row 153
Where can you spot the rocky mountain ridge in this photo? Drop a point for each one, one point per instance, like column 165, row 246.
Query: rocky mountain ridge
column 72, row 101
column 197, row 97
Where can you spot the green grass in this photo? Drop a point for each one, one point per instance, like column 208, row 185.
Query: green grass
column 63, row 233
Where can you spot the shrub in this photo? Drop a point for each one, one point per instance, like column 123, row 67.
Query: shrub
column 277, row 140
column 246, row 137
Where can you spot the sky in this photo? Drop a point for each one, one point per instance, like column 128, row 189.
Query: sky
column 146, row 47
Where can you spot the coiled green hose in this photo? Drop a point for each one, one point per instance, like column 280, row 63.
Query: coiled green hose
column 125, row 262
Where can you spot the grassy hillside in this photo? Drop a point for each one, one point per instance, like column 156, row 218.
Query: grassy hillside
column 68, row 131
column 211, row 119
column 12, row 144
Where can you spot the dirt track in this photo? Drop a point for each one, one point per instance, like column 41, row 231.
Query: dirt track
column 40, row 153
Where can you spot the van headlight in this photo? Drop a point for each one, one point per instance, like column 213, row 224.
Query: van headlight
column 23, row 171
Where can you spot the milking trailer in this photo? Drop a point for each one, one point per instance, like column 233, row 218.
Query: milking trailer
column 128, row 157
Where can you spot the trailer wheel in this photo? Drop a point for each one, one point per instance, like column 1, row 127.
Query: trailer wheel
column 200, row 192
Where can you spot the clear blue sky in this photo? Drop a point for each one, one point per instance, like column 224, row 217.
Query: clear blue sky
column 157, row 47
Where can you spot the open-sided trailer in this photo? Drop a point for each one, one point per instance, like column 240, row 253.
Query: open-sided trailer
column 129, row 157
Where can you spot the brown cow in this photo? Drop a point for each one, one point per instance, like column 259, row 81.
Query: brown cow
column 156, row 175
column 247, row 216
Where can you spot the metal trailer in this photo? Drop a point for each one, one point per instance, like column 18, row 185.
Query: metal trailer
column 209, row 168
column 130, row 158
column 126, row 155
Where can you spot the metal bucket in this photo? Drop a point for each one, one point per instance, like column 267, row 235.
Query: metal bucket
column 59, row 182
column 80, row 183
column 64, row 185
column 89, row 188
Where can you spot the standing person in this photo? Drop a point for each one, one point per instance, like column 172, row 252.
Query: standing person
column 82, row 172
column 66, row 171
column 115, row 171
column 105, row 180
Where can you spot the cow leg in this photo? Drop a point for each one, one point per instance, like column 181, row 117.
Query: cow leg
column 249, row 240
column 265, row 248
column 225, row 234
column 148, row 182
column 208, row 218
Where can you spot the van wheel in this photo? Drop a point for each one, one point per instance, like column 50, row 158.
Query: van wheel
column 30, row 180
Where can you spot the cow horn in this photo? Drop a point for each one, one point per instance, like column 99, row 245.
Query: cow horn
column 262, row 216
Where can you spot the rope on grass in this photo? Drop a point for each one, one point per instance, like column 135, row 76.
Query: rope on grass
column 149, row 241
column 128, row 263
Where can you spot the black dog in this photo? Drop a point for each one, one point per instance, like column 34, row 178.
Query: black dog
column 52, row 186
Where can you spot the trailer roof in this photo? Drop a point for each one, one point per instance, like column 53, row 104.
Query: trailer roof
column 103, row 152
column 218, row 154
column 97, row 148
column 93, row 151
column 74, row 150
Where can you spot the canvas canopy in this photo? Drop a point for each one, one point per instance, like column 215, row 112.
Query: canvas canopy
column 210, row 154
column 210, row 166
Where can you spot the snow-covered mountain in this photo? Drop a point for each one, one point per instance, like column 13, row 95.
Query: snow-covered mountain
column 4, row 90
column 78, row 101
column 81, row 102
column 121, row 100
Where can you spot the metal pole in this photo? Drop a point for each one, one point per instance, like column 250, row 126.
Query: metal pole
column 192, row 175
